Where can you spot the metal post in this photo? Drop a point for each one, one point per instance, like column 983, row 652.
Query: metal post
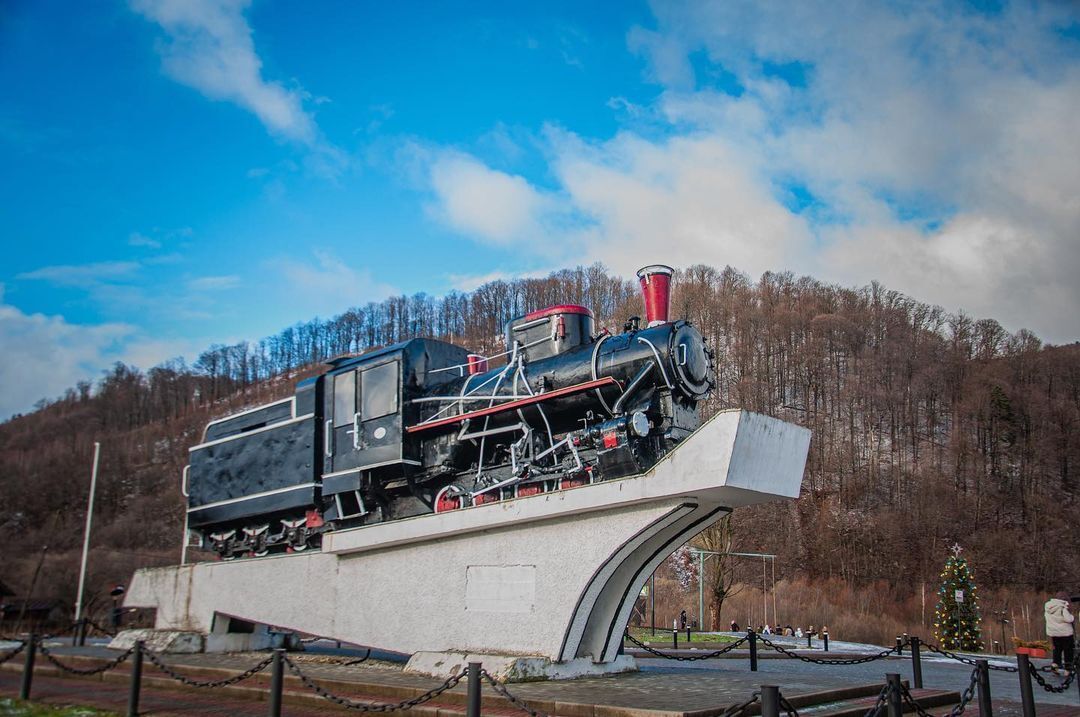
column 985, row 707
column 28, row 668
column 700, row 591
column 896, row 700
column 825, row 640
column 473, row 705
column 86, row 533
column 277, row 682
column 674, row 637
column 899, row 646
column 753, row 649
column 652, row 602
column 809, row 640
column 82, row 628
column 1027, row 698
column 136, row 680
column 688, row 635
column 916, row 663
column 770, row 701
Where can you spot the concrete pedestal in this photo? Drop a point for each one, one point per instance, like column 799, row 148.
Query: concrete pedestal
column 550, row 576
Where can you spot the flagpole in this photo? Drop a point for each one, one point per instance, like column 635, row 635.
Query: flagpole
column 86, row 533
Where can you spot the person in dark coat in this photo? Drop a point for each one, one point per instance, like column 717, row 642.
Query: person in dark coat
column 682, row 620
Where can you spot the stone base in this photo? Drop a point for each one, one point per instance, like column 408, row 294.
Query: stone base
column 174, row 641
column 515, row 668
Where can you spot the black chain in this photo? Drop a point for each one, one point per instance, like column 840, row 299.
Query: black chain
column 740, row 708
column 16, row 651
column 367, row 706
column 817, row 661
column 251, row 671
column 882, row 698
column 87, row 671
column 788, row 707
column 500, row 688
column 965, row 698
column 99, row 628
column 350, row 663
column 687, row 658
column 967, row 661
column 1049, row 687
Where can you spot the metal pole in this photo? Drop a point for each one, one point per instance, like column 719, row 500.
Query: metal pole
column 770, row 701
column 701, row 590
column 825, row 640
column 1027, row 699
column 277, row 682
column 772, row 562
column 764, row 589
column 28, row 668
column 86, row 533
column 753, row 649
column 899, row 646
column 136, row 680
column 473, row 705
column 896, row 701
column 674, row 634
column 985, row 707
column 916, row 663
column 652, row 603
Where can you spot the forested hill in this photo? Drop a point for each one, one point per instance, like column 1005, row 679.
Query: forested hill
column 928, row 427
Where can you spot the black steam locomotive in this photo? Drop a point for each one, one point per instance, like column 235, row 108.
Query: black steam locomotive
column 424, row 426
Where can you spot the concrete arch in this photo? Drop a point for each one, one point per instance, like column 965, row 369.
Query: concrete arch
column 603, row 608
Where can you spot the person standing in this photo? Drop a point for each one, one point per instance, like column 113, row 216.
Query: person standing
column 1060, row 629
column 682, row 620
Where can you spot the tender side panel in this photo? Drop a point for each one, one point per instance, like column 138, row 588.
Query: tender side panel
column 268, row 470
column 250, row 420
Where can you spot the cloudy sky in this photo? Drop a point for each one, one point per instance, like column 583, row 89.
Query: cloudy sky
column 182, row 172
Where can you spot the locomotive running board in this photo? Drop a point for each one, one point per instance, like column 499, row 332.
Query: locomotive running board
column 515, row 405
column 554, row 576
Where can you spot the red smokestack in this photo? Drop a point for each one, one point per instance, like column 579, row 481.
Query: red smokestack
column 656, row 286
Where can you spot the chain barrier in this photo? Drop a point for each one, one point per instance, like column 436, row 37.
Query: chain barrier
column 882, row 698
column 687, row 658
column 817, row 661
column 90, row 623
column 788, row 707
column 738, row 709
column 965, row 698
column 88, row 670
column 500, row 688
column 350, row 663
column 367, row 706
column 7, row 656
column 250, row 672
column 966, row 660
column 1049, row 687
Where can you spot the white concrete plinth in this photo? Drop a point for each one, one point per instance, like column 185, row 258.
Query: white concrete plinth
column 172, row 641
column 511, row 668
column 550, row 576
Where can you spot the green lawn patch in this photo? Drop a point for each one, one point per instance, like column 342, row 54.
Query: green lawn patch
column 18, row 708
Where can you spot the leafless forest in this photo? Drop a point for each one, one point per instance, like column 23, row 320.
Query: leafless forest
column 929, row 428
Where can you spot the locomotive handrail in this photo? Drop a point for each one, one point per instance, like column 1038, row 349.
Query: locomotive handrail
column 515, row 405
column 184, row 481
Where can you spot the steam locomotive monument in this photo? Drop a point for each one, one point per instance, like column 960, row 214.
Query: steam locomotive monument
column 418, row 499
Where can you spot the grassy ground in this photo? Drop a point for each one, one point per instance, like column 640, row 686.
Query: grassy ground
column 644, row 634
column 17, row 708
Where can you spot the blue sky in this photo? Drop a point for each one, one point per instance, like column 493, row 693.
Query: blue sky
column 178, row 173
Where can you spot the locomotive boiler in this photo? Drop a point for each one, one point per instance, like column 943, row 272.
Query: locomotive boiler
column 425, row 426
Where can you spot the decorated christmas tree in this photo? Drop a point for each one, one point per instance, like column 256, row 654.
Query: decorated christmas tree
column 956, row 617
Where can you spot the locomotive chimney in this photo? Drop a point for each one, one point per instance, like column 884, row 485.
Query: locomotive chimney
column 656, row 287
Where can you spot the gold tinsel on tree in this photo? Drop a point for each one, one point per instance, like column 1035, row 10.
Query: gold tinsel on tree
column 956, row 617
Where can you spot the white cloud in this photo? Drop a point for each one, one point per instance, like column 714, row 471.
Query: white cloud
column 214, row 283
column 933, row 147
column 45, row 355
column 326, row 286
column 83, row 275
column 474, row 199
column 137, row 239
column 210, row 48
